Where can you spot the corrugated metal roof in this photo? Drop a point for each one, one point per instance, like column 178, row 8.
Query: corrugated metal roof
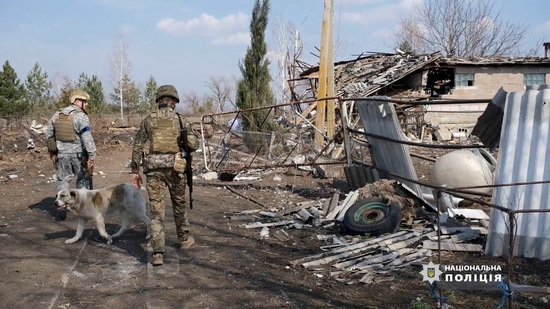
column 380, row 118
column 489, row 124
column 523, row 157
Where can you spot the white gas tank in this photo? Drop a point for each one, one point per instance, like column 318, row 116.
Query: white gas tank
column 464, row 168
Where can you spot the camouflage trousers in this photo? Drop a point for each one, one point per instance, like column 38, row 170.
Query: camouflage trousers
column 157, row 182
column 69, row 165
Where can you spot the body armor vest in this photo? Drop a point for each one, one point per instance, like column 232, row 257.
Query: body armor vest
column 64, row 128
column 165, row 127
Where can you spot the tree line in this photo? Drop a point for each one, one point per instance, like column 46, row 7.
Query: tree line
column 460, row 28
column 39, row 94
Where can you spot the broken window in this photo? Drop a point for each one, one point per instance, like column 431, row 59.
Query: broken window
column 464, row 79
column 530, row 79
column 439, row 81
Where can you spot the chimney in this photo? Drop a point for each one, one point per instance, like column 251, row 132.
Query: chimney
column 546, row 49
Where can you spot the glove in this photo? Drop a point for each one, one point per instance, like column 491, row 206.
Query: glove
column 53, row 157
column 90, row 166
column 136, row 180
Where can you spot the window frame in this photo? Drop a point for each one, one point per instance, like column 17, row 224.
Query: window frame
column 465, row 79
column 531, row 81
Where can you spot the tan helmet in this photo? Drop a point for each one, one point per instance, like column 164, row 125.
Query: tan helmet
column 75, row 95
column 167, row 91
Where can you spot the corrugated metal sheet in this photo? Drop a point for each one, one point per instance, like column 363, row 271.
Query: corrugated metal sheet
column 523, row 157
column 489, row 124
column 380, row 118
column 358, row 175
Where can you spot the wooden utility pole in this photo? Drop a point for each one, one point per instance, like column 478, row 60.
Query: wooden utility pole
column 325, row 108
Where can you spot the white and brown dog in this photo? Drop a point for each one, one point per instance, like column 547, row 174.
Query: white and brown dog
column 95, row 204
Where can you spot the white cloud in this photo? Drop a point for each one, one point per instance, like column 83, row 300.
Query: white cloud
column 240, row 38
column 205, row 24
column 223, row 31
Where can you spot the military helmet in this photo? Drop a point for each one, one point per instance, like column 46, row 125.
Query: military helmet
column 79, row 95
column 167, row 91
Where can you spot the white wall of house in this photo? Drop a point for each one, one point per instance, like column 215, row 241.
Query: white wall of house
column 487, row 81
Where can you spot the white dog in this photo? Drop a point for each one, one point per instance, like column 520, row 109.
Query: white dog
column 94, row 204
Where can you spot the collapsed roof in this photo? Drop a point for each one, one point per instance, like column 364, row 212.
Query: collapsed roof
column 365, row 75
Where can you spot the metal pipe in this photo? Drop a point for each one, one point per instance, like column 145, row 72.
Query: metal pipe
column 433, row 102
column 414, row 143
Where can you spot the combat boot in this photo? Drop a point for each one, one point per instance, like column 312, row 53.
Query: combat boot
column 157, row 259
column 187, row 242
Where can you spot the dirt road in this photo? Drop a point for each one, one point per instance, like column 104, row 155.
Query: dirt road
column 228, row 267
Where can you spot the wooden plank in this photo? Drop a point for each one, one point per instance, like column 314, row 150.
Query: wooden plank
column 332, row 203
column 409, row 241
column 326, row 205
column 453, row 230
column 376, row 260
column 447, row 246
column 268, row 214
column 344, row 249
column 357, row 259
column 353, row 198
column 304, row 214
column 268, row 224
column 346, row 254
column 335, row 212
column 397, row 239
column 289, row 211
column 304, row 114
column 339, row 256
column 409, row 257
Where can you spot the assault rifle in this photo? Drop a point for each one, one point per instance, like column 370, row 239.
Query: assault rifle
column 183, row 144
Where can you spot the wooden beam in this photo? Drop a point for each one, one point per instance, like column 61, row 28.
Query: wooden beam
column 324, row 70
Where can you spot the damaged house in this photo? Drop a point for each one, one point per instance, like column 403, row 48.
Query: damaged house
column 434, row 77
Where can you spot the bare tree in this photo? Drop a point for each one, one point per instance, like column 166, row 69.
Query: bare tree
column 222, row 92
column 536, row 49
column 463, row 28
column 287, row 52
column 190, row 104
column 120, row 66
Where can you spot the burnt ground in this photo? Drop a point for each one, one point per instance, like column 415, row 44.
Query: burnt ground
column 228, row 267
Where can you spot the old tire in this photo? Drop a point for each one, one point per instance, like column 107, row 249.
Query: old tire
column 372, row 216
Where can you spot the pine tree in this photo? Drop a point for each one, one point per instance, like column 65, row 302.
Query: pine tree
column 38, row 88
column 94, row 88
column 253, row 88
column 12, row 93
column 149, row 95
column 63, row 98
column 131, row 95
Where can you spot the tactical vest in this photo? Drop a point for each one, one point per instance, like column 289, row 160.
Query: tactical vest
column 64, row 128
column 165, row 127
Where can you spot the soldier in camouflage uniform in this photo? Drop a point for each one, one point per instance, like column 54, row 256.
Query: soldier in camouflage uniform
column 69, row 129
column 164, row 166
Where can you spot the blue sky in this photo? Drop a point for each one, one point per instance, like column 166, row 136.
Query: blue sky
column 186, row 42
